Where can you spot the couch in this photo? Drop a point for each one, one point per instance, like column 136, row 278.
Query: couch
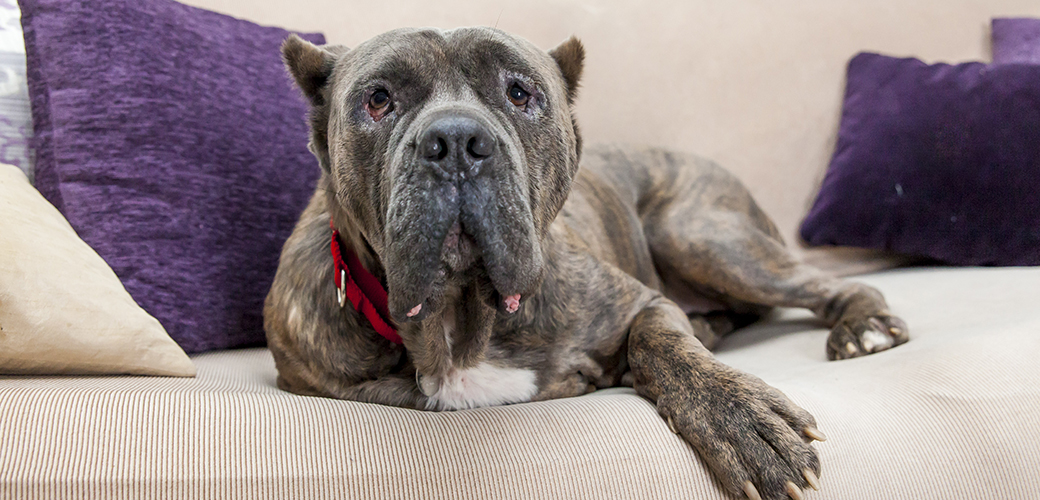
column 952, row 414
column 756, row 85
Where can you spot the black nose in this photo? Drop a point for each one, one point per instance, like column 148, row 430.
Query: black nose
column 456, row 143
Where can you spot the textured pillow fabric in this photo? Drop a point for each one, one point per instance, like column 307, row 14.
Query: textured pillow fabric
column 173, row 141
column 15, row 120
column 62, row 309
column 935, row 160
column 1016, row 40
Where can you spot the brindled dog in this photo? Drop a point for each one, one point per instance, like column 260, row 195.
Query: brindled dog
column 461, row 250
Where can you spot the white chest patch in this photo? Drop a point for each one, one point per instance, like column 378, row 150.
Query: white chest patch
column 482, row 385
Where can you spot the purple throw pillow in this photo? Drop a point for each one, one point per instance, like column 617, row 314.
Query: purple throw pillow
column 935, row 160
column 1016, row 40
column 174, row 142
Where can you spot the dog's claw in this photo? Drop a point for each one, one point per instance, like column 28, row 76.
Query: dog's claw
column 415, row 310
column 811, row 478
column 851, row 348
column 815, row 433
column 671, row 426
column 751, row 491
column 512, row 303
column 793, row 491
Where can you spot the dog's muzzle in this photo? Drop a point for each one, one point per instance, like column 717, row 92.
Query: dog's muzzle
column 458, row 200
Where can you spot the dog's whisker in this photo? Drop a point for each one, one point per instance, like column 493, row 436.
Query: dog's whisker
column 499, row 18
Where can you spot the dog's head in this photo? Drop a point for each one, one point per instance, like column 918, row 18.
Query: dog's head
column 452, row 151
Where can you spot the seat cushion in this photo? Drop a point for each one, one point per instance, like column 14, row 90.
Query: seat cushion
column 951, row 414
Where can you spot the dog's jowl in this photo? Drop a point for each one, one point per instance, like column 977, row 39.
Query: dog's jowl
column 454, row 255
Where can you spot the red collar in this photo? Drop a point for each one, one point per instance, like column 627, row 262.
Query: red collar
column 364, row 290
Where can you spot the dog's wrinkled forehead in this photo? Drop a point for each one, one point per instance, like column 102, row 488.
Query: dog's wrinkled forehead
column 418, row 62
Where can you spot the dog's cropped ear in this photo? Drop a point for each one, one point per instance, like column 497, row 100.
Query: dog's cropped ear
column 310, row 65
column 570, row 57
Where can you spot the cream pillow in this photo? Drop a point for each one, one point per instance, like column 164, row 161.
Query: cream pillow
column 62, row 309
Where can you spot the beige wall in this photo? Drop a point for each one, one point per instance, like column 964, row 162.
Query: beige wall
column 754, row 84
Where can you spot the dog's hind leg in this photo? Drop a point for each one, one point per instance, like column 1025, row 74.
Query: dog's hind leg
column 724, row 246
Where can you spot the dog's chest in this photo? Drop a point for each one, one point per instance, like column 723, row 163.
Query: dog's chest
column 486, row 384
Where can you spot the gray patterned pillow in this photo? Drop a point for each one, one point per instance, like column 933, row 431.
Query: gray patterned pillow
column 15, row 118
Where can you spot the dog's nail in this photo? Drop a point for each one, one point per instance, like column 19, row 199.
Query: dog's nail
column 811, row 478
column 512, row 303
column 851, row 348
column 428, row 385
column 815, row 433
column 895, row 331
column 415, row 310
column 751, row 491
column 671, row 426
column 793, row 491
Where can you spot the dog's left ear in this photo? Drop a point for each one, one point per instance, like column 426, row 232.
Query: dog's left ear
column 570, row 57
column 310, row 65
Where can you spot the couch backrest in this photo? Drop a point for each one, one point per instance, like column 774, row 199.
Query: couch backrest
column 754, row 84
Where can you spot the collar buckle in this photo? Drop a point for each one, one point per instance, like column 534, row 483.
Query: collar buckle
column 341, row 290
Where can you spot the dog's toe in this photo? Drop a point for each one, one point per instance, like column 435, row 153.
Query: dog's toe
column 856, row 337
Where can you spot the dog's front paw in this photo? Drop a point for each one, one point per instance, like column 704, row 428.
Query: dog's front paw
column 754, row 439
column 855, row 337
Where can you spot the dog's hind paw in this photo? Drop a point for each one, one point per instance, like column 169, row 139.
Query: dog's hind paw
column 856, row 337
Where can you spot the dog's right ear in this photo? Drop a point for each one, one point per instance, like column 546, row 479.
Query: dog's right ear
column 310, row 65
column 570, row 57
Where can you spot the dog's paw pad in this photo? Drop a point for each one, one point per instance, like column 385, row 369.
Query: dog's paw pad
column 852, row 338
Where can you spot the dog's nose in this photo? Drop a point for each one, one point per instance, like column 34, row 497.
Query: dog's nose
column 456, row 143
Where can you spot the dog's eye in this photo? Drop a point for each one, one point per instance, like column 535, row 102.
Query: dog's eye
column 378, row 104
column 517, row 95
column 379, row 99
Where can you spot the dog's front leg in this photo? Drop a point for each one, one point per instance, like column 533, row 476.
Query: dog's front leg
column 390, row 390
column 751, row 436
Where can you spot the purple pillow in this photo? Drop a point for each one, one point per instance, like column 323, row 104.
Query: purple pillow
column 173, row 141
column 1016, row 40
column 935, row 160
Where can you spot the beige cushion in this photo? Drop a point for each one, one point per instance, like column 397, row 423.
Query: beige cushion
column 755, row 84
column 62, row 309
column 951, row 415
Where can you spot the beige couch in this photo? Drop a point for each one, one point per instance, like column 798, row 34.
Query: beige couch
column 756, row 85
column 951, row 415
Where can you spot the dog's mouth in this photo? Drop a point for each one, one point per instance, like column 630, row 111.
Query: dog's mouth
column 472, row 234
column 462, row 262
column 459, row 253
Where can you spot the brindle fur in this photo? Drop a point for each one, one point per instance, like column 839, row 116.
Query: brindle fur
column 626, row 267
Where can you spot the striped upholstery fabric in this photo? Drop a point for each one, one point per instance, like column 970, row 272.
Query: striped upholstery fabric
column 952, row 414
